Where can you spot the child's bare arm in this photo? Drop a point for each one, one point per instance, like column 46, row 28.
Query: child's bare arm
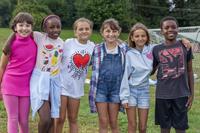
column 3, row 64
column 186, row 43
column 191, row 84
column 9, row 40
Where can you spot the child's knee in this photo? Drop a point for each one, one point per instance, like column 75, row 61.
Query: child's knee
column 62, row 119
column 72, row 119
column 45, row 121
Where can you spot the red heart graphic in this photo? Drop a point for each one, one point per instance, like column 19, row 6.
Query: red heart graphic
column 81, row 61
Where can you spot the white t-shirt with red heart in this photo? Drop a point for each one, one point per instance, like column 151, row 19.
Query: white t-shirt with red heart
column 75, row 62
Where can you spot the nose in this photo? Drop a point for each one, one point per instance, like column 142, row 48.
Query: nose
column 140, row 38
column 111, row 33
column 24, row 27
column 56, row 29
column 171, row 29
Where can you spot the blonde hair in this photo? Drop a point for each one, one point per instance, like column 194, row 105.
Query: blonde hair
column 135, row 27
column 82, row 20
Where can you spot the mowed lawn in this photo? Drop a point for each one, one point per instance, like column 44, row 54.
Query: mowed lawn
column 88, row 122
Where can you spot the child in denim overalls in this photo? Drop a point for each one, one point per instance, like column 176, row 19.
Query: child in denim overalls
column 107, row 71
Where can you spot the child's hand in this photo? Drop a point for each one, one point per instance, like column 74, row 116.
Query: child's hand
column 125, row 105
column 189, row 102
column 186, row 43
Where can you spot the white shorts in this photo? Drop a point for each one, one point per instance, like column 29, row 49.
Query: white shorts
column 42, row 87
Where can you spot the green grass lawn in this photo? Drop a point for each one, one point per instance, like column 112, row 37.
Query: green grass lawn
column 88, row 122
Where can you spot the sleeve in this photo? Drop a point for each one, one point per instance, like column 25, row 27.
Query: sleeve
column 64, row 56
column 92, row 55
column 189, row 55
column 37, row 36
column 155, row 61
column 92, row 58
column 152, row 45
column 124, row 88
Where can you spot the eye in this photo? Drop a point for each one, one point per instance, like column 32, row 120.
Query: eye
column 20, row 24
column 166, row 27
column 143, row 35
column 87, row 29
column 28, row 25
column 136, row 36
column 80, row 29
column 58, row 26
column 115, row 31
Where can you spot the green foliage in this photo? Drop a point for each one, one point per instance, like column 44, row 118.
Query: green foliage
column 38, row 11
column 127, row 12
column 5, row 10
column 99, row 10
column 63, row 8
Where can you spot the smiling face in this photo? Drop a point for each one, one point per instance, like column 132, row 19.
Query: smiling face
column 140, row 38
column 170, row 30
column 83, row 31
column 110, row 35
column 23, row 29
column 53, row 27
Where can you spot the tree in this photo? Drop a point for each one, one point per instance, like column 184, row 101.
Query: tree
column 63, row 8
column 99, row 10
column 5, row 11
column 38, row 11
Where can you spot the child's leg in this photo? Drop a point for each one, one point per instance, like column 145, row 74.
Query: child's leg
column 24, row 108
column 54, row 125
column 131, row 114
column 164, row 130
column 45, row 118
column 113, row 110
column 72, row 114
column 11, row 105
column 180, row 117
column 143, row 117
column 102, row 109
column 180, row 131
column 63, row 110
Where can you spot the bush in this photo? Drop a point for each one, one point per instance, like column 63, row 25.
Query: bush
column 5, row 11
column 38, row 12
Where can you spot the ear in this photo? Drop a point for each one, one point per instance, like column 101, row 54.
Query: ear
column 75, row 34
column 44, row 29
column 132, row 39
column 161, row 31
column 14, row 28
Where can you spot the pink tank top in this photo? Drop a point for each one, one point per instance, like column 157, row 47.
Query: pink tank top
column 22, row 59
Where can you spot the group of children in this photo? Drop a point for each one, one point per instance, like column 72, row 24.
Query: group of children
column 38, row 69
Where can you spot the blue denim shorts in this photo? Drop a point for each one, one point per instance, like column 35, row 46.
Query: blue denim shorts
column 107, row 92
column 139, row 97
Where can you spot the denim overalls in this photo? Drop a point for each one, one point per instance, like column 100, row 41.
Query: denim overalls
column 110, row 76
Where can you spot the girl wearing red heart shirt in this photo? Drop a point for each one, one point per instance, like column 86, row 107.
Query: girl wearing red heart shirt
column 76, row 59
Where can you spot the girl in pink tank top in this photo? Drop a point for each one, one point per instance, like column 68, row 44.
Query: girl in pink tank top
column 16, row 65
